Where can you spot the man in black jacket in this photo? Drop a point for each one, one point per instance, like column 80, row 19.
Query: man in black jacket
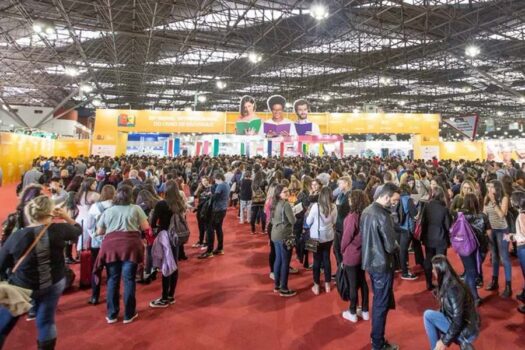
column 378, row 249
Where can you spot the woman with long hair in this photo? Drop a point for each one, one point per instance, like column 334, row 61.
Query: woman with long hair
column 457, row 320
column 467, row 186
column 173, row 204
column 481, row 227
column 321, row 220
column 43, row 270
column 283, row 220
column 298, row 227
column 147, row 201
column 351, row 250
column 435, row 225
column 496, row 208
column 518, row 201
column 203, row 209
column 267, row 211
column 258, row 199
column 121, row 251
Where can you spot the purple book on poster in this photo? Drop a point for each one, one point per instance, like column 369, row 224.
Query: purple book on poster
column 302, row 129
column 277, row 129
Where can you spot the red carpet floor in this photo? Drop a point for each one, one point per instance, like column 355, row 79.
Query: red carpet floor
column 227, row 303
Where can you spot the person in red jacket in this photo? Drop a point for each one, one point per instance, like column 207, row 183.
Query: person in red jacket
column 351, row 251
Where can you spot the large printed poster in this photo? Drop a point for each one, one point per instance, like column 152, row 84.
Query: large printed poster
column 505, row 150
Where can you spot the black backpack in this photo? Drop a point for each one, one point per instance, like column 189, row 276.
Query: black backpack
column 205, row 209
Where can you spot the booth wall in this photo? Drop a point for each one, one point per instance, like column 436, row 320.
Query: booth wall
column 17, row 152
column 468, row 150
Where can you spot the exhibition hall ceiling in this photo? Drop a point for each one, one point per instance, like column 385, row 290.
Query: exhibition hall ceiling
column 446, row 56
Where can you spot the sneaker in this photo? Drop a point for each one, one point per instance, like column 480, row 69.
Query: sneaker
column 365, row 315
column 315, row 289
column 218, row 252
column 293, row 270
column 309, row 268
column 205, row 256
column 287, row 293
column 272, row 276
column 327, row 287
column 111, row 320
column 349, row 316
column 171, row 300
column 204, row 247
column 388, row 346
column 277, row 290
column 197, row 245
column 159, row 303
column 31, row 317
column 131, row 319
column 408, row 276
column 479, row 284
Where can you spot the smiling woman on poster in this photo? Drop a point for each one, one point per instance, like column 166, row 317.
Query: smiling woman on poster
column 248, row 123
column 278, row 125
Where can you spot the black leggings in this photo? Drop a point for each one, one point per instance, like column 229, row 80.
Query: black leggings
column 405, row 239
column 169, row 283
column 322, row 256
column 356, row 279
column 429, row 254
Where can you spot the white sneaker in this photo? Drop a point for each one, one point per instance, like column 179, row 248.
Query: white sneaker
column 349, row 316
column 272, row 276
column 131, row 319
column 366, row 316
column 315, row 289
column 327, row 287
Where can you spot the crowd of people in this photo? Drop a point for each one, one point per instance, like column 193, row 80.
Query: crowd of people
column 128, row 215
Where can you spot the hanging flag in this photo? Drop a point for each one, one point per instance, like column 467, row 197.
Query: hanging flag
column 467, row 125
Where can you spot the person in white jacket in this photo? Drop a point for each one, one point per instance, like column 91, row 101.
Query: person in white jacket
column 321, row 220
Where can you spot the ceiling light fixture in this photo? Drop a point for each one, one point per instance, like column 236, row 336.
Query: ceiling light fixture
column 37, row 27
column 187, row 109
column 522, row 99
column 319, row 11
column 201, row 98
column 457, row 108
column 86, row 88
column 254, row 57
column 326, row 97
column 402, row 103
column 96, row 102
column 50, row 30
column 499, row 113
column 385, row 80
column 71, row 71
column 467, row 89
column 356, row 110
column 472, row 51
column 221, row 84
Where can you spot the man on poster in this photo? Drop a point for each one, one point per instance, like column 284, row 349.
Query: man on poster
column 278, row 125
column 303, row 126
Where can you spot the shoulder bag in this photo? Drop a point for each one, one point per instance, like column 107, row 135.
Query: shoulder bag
column 313, row 244
column 30, row 248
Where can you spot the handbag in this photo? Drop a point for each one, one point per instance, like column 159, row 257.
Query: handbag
column 312, row 244
column 417, row 230
column 30, row 248
column 342, row 283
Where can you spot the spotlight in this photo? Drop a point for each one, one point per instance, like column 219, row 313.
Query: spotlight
column 71, row 71
column 326, row 97
column 37, row 27
column 201, row 98
column 319, row 11
column 522, row 99
column 472, row 51
column 96, row 102
column 50, row 30
column 254, row 57
column 467, row 89
column 499, row 113
column 457, row 108
column 402, row 103
column 220, row 84
column 86, row 88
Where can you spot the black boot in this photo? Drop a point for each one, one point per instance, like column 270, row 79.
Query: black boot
column 47, row 345
column 521, row 296
column 508, row 290
column 493, row 285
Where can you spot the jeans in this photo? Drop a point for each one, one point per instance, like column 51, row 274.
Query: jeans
column 357, row 280
column 429, row 254
column 257, row 211
column 322, row 256
column 337, row 247
column 470, row 263
column 128, row 270
column 45, row 304
column 437, row 324
column 246, row 205
column 96, row 276
column 271, row 257
column 281, row 265
column 405, row 240
column 500, row 250
column 216, row 226
column 383, row 300
column 521, row 257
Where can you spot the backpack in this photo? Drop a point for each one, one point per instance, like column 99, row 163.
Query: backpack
column 462, row 236
column 178, row 232
column 258, row 197
column 10, row 225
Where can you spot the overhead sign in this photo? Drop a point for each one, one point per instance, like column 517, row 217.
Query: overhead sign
column 467, row 125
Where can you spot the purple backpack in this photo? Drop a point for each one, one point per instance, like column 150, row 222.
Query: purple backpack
column 462, row 237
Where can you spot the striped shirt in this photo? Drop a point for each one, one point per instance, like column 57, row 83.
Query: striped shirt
column 495, row 221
